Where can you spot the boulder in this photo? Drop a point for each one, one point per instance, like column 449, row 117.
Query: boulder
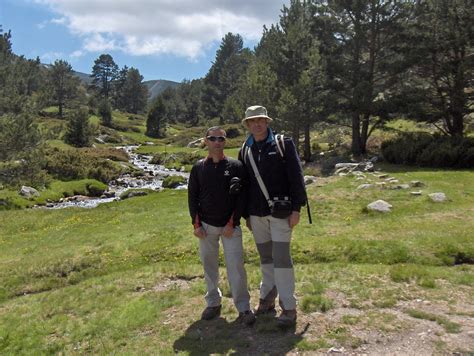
column 380, row 205
column 309, row 179
column 437, row 197
column 416, row 183
column 29, row 192
column 195, row 143
column 132, row 193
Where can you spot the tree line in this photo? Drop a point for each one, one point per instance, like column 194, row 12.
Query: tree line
column 355, row 63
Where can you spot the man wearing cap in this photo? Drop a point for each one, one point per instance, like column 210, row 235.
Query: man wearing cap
column 279, row 168
column 216, row 201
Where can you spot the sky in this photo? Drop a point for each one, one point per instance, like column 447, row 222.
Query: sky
column 163, row 39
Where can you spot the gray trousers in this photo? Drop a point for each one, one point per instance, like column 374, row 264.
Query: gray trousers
column 272, row 237
column 234, row 260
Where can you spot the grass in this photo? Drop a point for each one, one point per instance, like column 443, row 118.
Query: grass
column 125, row 277
column 449, row 326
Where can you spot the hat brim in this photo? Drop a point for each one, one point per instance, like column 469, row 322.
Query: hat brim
column 269, row 119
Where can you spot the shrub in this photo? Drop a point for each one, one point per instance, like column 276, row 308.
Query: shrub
column 423, row 149
column 177, row 158
column 173, row 181
column 108, row 153
column 75, row 164
column 96, row 189
column 232, row 132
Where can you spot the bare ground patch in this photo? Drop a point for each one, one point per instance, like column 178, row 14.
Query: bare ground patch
column 342, row 330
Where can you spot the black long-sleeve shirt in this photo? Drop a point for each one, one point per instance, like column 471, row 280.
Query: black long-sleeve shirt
column 282, row 176
column 209, row 199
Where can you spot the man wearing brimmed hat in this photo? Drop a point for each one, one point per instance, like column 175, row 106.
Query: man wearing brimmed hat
column 272, row 164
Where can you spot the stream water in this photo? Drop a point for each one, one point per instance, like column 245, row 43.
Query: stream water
column 152, row 178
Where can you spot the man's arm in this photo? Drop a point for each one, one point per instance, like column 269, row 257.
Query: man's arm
column 193, row 195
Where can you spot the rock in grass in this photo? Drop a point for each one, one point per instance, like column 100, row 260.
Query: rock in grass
column 416, row 183
column 29, row 192
column 309, row 179
column 437, row 197
column 380, row 205
column 132, row 193
column 173, row 181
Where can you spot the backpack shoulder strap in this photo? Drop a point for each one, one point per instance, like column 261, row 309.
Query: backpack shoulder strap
column 245, row 151
column 280, row 142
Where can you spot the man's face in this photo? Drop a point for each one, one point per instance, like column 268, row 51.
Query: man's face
column 215, row 141
column 258, row 127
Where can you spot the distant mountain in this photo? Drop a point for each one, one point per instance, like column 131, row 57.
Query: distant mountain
column 85, row 78
column 155, row 87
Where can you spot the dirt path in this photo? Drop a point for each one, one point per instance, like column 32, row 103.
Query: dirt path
column 343, row 330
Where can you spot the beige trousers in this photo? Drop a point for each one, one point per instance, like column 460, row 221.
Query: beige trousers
column 272, row 237
column 234, row 260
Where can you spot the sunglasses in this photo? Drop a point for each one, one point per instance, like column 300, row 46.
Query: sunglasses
column 216, row 138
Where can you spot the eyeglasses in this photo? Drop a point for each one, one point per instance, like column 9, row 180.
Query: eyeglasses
column 216, row 138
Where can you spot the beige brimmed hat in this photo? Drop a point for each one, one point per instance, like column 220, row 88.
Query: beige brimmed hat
column 254, row 112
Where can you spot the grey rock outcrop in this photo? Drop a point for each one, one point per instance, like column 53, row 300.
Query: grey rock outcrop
column 29, row 192
column 380, row 205
column 438, row 197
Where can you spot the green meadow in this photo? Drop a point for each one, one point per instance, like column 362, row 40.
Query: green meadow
column 125, row 277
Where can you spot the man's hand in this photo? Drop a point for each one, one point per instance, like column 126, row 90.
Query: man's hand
column 247, row 222
column 294, row 219
column 200, row 232
column 228, row 231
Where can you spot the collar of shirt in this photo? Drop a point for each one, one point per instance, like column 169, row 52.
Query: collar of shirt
column 250, row 140
column 209, row 158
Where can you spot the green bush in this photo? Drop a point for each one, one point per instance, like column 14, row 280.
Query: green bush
column 173, row 181
column 76, row 164
column 176, row 158
column 423, row 149
column 96, row 189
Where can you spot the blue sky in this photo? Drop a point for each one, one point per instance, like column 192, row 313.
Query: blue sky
column 163, row 39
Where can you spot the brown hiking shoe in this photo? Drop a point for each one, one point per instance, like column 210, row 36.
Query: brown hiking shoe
column 247, row 317
column 265, row 307
column 211, row 312
column 287, row 318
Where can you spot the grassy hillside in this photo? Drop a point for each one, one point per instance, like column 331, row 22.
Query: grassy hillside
column 125, row 277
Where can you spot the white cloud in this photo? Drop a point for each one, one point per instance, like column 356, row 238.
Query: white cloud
column 180, row 27
column 59, row 21
column 50, row 57
column 77, row 54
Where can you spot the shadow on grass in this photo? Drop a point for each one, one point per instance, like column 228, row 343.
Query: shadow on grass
column 220, row 336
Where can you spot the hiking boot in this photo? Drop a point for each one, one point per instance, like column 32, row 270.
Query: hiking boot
column 265, row 307
column 287, row 318
column 211, row 312
column 247, row 317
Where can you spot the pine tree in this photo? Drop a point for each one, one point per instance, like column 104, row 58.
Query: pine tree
column 134, row 92
column 104, row 73
column 79, row 131
column 156, row 118
column 439, row 84
column 63, row 85
column 220, row 81
column 105, row 113
column 360, row 43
